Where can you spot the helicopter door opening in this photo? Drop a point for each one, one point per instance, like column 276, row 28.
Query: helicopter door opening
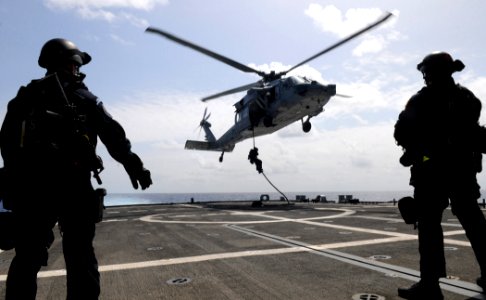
column 241, row 110
column 260, row 107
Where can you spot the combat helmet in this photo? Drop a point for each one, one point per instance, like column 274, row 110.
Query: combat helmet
column 58, row 51
column 440, row 62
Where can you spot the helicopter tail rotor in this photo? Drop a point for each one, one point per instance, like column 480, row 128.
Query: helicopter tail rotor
column 205, row 125
column 205, row 118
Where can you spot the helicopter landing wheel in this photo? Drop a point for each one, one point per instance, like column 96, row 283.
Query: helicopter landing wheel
column 221, row 157
column 306, row 126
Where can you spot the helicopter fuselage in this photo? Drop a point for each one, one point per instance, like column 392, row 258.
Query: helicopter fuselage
column 266, row 109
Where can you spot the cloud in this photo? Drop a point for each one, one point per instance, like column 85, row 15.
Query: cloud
column 330, row 19
column 120, row 40
column 90, row 14
column 106, row 10
column 372, row 44
column 168, row 118
column 99, row 4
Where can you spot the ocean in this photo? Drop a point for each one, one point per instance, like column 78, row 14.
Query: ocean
column 167, row 198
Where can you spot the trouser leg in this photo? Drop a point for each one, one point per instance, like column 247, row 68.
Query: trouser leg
column 83, row 278
column 430, row 234
column 33, row 238
column 431, row 247
column 22, row 279
column 473, row 221
column 464, row 205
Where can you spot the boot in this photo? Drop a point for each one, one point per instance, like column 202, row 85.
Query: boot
column 422, row 291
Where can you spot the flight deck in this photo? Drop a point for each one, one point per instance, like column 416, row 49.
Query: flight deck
column 231, row 250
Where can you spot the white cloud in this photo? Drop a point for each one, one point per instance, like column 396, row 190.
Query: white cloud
column 138, row 22
column 90, row 14
column 120, row 40
column 103, row 9
column 372, row 44
column 97, row 4
column 169, row 118
column 330, row 19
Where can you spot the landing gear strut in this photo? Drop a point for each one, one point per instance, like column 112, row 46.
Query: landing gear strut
column 306, row 126
column 221, row 157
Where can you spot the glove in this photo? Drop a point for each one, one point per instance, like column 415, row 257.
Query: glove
column 137, row 173
column 143, row 178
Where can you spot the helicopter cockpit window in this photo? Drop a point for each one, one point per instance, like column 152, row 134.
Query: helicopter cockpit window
column 293, row 81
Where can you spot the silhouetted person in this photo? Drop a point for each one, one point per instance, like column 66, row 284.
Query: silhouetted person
column 253, row 157
column 48, row 141
column 443, row 142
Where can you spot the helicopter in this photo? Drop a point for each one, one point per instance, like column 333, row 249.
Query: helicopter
column 271, row 103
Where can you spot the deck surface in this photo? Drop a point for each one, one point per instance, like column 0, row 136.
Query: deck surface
column 229, row 250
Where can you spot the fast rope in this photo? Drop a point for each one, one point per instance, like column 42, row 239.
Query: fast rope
column 253, row 157
column 275, row 187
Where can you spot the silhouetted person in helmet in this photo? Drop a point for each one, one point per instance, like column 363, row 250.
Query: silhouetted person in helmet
column 443, row 142
column 48, row 141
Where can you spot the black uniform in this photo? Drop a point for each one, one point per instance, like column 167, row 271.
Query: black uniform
column 48, row 141
column 438, row 130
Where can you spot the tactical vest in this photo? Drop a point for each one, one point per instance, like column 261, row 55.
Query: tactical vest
column 53, row 127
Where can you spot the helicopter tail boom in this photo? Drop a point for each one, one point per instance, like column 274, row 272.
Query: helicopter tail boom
column 207, row 146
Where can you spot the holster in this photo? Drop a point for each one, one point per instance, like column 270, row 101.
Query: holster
column 408, row 209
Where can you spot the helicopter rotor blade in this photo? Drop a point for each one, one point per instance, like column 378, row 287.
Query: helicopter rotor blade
column 332, row 47
column 205, row 112
column 234, row 90
column 205, row 51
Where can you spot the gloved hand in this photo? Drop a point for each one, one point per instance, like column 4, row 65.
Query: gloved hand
column 137, row 173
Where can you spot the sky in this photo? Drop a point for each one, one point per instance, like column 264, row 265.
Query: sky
column 153, row 86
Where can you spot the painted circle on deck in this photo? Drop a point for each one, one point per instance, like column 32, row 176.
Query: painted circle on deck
column 263, row 215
